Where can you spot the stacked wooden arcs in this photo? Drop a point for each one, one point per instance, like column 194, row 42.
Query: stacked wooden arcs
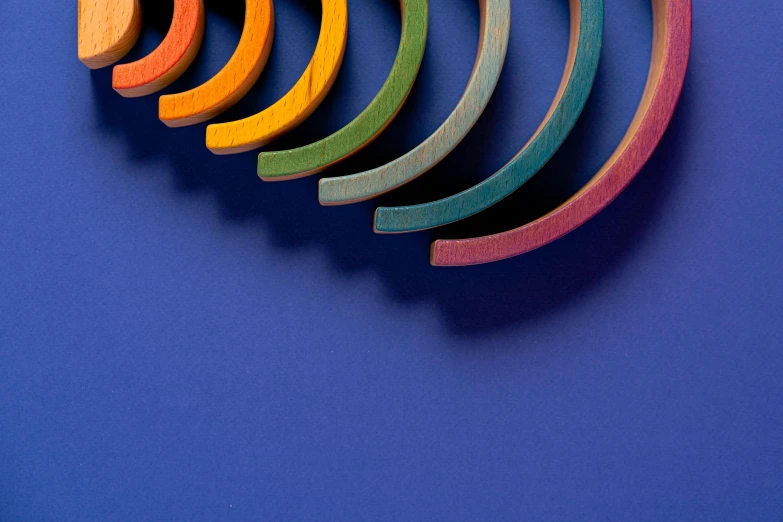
column 108, row 29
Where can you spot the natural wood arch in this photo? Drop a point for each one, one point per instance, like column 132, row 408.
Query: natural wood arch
column 107, row 30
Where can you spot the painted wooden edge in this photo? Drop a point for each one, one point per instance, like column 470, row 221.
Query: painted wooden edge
column 298, row 103
column 669, row 64
column 234, row 80
column 314, row 158
column 493, row 44
column 107, row 30
column 587, row 17
column 170, row 59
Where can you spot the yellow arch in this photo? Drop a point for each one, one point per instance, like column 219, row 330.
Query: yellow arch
column 229, row 85
column 293, row 108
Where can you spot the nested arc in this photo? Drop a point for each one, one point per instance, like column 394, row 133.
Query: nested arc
column 298, row 103
column 672, row 32
column 587, row 22
column 318, row 156
column 170, row 59
column 234, row 80
column 493, row 43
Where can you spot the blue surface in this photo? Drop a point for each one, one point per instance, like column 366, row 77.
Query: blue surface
column 179, row 341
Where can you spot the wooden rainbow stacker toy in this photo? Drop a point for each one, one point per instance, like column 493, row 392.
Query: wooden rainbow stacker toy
column 108, row 29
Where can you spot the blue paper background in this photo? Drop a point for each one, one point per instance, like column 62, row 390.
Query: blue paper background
column 180, row 341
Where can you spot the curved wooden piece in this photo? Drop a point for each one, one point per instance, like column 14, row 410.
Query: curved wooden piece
column 493, row 43
column 303, row 98
column 170, row 60
column 587, row 21
column 310, row 159
column 671, row 50
column 234, row 80
column 107, row 30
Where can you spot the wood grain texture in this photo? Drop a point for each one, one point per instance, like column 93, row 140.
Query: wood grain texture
column 170, row 59
column 671, row 51
column 587, row 21
column 493, row 44
column 108, row 29
column 314, row 158
column 298, row 103
column 234, row 80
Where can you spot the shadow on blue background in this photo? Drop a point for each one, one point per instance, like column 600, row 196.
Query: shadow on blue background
column 181, row 341
column 501, row 295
